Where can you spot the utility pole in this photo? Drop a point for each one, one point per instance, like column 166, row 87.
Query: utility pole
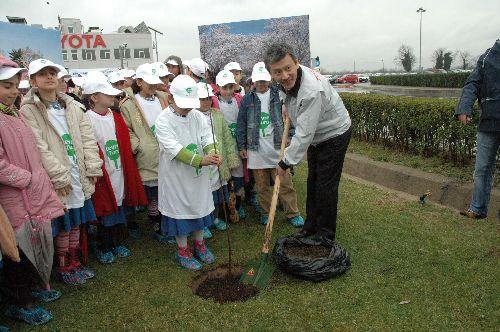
column 156, row 42
column 383, row 66
column 420, row 10
column 354, row 67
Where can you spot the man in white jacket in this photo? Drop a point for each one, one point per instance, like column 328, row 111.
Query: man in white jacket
column 322, row 129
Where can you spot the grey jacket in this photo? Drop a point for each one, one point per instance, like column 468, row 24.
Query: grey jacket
column 317, row 113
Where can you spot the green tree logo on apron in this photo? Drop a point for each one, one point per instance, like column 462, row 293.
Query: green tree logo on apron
column 153, row 130
column 264, row 122
column 232, row 129
column 68, row 142
column 194, row 149
column 112, row 151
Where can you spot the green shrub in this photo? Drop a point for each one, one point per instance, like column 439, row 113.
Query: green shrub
column 423, row 126
column 449, row 80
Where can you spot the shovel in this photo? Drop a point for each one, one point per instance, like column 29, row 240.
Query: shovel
column 258, row 272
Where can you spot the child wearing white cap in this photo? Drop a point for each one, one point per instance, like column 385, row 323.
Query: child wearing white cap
column 225, row 148
column 140, row 109
column 197, row 69
column 71, row 158
column 174, row 65
column 259, row 131
column 235, row 68
column 186, row 146
column 228, row 102
column 120, row 190
column 24, row 184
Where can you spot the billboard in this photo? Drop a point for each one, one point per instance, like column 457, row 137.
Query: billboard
column 245, row 42
column 24, row 43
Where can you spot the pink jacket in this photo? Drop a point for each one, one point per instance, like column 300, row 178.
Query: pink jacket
column 21, row 170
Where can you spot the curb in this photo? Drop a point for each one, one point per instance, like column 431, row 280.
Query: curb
column 445, row 191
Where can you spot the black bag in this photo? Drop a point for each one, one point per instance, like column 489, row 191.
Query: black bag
column 309, row 268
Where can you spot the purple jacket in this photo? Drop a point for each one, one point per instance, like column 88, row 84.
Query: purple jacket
column 21, row 170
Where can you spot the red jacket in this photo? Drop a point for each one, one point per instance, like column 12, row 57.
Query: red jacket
column 215, row 99
column 104, row 198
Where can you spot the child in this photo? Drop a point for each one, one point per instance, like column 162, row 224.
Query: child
column 140, row 110
column 260, row 127
column 186, row 145
column 235, row 68
column 225, row 148
column 163, row 74
column 228, row 103
column 120, row 188
column 197, row 69
column 70, row 156
column 174, row 65
column 30, row 202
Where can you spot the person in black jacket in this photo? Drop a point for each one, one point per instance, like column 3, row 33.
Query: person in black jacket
column 483, row 84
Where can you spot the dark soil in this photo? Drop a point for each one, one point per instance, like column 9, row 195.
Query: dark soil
column 226, row 289
column 308, row 251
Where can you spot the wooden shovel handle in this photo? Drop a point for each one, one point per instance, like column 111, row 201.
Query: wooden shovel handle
column 274, row 201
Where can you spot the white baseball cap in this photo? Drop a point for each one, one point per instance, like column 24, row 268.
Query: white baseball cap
column 38, row 64
column 8, row 72
column 197, row 66
column 172, row 62
column 260, row 73
column 24, row 84
column 62, row 72
column 204, row 90
column 232, row 66
column 116, row 76
column 185, row 92
column 224, row 77
column 96, row 81
column 128, row 72
column 78, row 80
column 162, row 70
column 148, row 73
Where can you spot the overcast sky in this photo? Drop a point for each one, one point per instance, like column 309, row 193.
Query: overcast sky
column 341, row 31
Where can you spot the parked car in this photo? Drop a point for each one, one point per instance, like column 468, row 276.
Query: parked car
column 348, row 78
column 363, row 78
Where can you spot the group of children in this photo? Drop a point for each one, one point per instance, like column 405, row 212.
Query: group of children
column 80, row 159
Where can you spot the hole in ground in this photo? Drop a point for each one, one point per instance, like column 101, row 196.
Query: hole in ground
column 221, row 287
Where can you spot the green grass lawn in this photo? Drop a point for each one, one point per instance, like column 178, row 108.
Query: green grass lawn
column 446, row 266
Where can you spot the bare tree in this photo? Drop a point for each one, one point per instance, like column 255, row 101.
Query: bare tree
column 465, row 59
column 405, row 58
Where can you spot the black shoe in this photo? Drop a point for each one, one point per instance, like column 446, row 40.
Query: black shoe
column 304, row 233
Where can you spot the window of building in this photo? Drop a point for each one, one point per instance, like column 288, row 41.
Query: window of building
column 65, row 55
column 126, row 53
column 141, row 53
column 74, row 55
column 88, row 55
column 70, row 30
column 105, row 54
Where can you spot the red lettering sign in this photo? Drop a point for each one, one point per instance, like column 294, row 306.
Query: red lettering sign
column 76, row 41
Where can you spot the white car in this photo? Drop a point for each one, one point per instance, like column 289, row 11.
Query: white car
column 363, row 78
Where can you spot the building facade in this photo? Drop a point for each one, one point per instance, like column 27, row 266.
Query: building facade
column 127, row 48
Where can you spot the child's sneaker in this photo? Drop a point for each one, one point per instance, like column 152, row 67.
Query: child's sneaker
column 202, row 252
column 122, row 252
column 264, row 219
column 69, row 277
column 206, row 233
column 163, row 239
column 185, row 258
column 220, row 224
column 296, row 221
column 105, row 257
column 35, row 316
column 242, row 213
column 85, row 272
column 255, row 203
column 46, row 295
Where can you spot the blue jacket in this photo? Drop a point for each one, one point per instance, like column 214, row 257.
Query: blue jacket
column 483, row 84
column 248, row 126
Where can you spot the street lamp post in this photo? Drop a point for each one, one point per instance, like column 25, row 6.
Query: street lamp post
column 383, row 66
column 421, row 11
column 122, row 54
column 156, row 42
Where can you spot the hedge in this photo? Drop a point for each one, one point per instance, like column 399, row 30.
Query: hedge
column 448, row 80
column 423, row 126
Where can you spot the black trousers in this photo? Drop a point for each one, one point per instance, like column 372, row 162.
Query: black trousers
column 325, row 162
column 19, row 279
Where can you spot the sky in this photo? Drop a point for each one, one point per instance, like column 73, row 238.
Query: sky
column 341, row 31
